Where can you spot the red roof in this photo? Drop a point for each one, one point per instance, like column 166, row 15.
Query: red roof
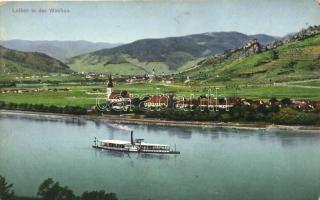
column 233, row 100
column 188, row 101
column 221, row 101
column 119, row 94
column 158, row 99
column 207, row 101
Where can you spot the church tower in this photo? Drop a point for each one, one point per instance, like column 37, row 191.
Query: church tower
column 109, row 86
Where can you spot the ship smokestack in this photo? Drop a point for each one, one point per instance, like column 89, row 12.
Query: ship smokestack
column 132, row 137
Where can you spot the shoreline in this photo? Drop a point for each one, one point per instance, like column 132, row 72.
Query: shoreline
column 159, row 122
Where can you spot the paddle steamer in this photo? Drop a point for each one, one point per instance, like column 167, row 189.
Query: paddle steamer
column 135, row 146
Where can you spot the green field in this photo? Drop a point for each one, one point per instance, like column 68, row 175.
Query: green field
column 78, row 94
column 308, row 83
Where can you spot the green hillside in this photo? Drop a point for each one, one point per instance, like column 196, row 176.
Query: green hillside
column 292, row 61
column 124, row 65
column 17, row 62
column 164, row 55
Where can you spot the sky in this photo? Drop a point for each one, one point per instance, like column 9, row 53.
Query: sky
column 127, row 21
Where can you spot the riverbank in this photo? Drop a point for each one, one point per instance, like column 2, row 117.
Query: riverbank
column 141, row 120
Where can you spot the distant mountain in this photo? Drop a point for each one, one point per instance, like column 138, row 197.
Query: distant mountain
column 57, row 49
column 265, row 39
column 165, row 54
column 296, row 57
column 12, row 61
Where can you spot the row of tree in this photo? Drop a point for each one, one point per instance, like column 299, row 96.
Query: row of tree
column 278, row 112
column 51, row 190
column 242, row 113
column 76, row 110
column 13, row 83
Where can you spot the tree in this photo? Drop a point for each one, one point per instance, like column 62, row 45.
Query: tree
column 98, row 195
column 293, row 117
column 74, row 110
column 274, row 55
column 273, row 101
column 50, row 190
column 53, row 109
column 12, row 106
column 2, row 104
column 286, row 101
column 6, row 190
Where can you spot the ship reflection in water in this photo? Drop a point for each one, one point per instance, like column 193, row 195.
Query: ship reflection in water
column 100, row 153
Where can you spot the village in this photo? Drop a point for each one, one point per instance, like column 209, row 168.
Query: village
column 122, row 100
column 107, row 98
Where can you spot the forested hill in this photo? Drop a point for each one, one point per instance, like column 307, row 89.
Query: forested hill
column 12, row 61
column 162, row 55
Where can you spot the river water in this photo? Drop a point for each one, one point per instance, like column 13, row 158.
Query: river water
column 220, row 164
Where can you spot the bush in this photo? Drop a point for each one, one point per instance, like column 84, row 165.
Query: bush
column 274, row 55
column 2, row 104
column 54, row 109
column 50, row 190
column 77, row 110
column 290, row 116
column 243, row 113
column 12, row 106
column 98, row 195
column 286, row 101
column 6, row 189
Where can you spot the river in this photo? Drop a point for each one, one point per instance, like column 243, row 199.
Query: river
column 220, row 164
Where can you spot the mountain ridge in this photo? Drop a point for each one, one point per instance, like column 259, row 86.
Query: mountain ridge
column 59, row 49
column 169, row 53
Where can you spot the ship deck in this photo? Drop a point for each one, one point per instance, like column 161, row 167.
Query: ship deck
column 142, row 151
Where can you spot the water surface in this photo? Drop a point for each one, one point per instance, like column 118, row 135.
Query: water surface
column 213, row 164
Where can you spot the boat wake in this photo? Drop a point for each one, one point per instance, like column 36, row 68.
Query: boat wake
column 120, row 127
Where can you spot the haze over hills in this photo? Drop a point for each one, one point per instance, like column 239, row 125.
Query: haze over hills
column 12, row 61
column 164, row 55
column 57, row 49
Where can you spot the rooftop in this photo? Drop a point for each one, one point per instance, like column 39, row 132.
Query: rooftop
column 157, row 99
column 119, row 94
column 115, row 141
column 127, row 142
column 149, row 144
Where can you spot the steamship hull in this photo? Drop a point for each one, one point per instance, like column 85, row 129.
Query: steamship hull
column 133, row 150
column 133, row 146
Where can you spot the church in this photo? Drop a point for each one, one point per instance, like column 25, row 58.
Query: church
column 116, row 96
